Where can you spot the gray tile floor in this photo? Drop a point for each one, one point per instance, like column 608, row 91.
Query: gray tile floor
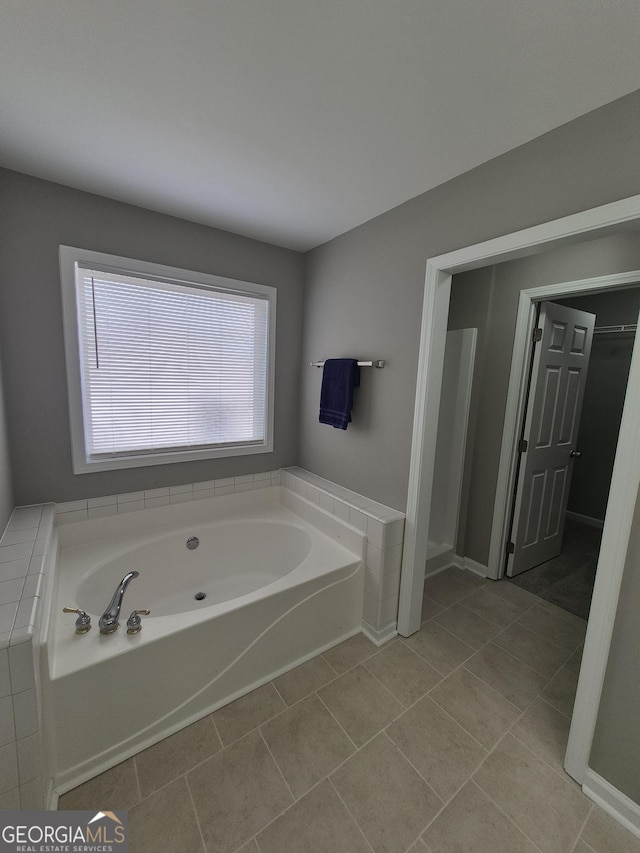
column 450, row 741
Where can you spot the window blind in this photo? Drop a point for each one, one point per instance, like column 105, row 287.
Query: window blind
column 168, row 366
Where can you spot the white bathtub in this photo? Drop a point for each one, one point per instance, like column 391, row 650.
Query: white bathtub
column 283, row 581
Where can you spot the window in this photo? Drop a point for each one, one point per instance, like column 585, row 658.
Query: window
column 164, row 365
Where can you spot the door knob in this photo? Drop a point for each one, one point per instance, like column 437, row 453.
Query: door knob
column 575, row 454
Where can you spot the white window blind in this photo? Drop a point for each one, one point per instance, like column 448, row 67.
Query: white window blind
column 164, row 365
column 169, row 366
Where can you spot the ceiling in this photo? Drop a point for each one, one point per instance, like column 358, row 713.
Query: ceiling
column 293, row 121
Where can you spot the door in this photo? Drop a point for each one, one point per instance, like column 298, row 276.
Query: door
column 548, row 451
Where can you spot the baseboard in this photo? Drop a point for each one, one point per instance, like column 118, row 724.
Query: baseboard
column 473, row 566
column 380, row 636
column 613, row 801
column 586, row 519
column 438, row 562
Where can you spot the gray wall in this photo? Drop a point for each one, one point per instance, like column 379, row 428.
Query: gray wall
column 365, row 288
column 364, row 298
column 6, row 487
column 617, row 253
column 615, row 753
column 35, row 217
column 603, row 399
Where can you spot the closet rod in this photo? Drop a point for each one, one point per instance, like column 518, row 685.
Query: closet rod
column 610, row 330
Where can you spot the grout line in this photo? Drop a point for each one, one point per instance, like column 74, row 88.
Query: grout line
column 256, row 727
column 195, row 766
column 546, row 702
column 137, row 775
column 540, row 636
column 506, row 816
column 329, row 665
column 428, row 784
column 445, row 674
column 524, row 663
column 348, row 811
column 488, row 686
column 588, row 847
column 386, row 689
column 286, row 809
column 273, row 758
column 284, row 702
column 561, row 774
column 215, row 728
column 170, row 782
column 338, row 723
column 577, row 841
column 459, row 725
column 195, row 813
column 489, row 797
column 444, row 802
column 522, row 712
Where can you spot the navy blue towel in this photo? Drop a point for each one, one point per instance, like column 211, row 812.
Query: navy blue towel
column 339, row 377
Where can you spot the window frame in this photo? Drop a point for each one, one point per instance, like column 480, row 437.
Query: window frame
column 71, row 259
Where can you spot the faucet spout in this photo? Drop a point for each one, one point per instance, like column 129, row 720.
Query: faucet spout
column 109, row 620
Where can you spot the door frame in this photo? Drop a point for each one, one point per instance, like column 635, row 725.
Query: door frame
column 590, row 224
column 517, row 394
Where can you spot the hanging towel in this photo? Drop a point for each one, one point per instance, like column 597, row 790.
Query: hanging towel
column 339, row 377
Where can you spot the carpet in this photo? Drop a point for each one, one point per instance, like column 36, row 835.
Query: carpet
column 567, row 580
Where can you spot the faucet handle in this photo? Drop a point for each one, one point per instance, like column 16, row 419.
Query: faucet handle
column 83, row 622
column 134, row 622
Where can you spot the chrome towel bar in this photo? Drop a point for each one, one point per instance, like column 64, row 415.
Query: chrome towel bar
column 379, row 362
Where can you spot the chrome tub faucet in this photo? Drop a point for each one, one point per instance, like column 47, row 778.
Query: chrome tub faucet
column 109, row 621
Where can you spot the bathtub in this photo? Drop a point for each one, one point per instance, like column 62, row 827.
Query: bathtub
column 282, row 581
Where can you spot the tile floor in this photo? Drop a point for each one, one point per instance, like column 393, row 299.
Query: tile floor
column 450, row 741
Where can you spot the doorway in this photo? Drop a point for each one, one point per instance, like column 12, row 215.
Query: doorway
column 620, row 215
column 567, row 578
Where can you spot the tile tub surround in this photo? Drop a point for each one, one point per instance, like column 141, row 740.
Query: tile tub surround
column 22, row 564
column 384, row 528
column 100, row 507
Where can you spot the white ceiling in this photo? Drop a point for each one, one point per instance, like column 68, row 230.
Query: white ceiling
column 293, row 121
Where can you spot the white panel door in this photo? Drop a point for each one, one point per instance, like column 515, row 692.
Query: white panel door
column 558, row 377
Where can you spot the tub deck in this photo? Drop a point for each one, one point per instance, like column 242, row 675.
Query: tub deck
column 110, row 696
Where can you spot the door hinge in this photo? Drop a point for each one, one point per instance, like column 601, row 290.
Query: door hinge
column 510, row 547
column 537, row 335
column 523, row 445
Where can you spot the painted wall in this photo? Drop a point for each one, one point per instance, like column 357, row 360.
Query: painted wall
column 6, row 486
column 603, row 399
column 365, row 288
column 617, row 253
column 364, row 298
column 35, row 217
column 615, row 753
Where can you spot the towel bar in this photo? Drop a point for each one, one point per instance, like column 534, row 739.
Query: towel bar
column 379, row 362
